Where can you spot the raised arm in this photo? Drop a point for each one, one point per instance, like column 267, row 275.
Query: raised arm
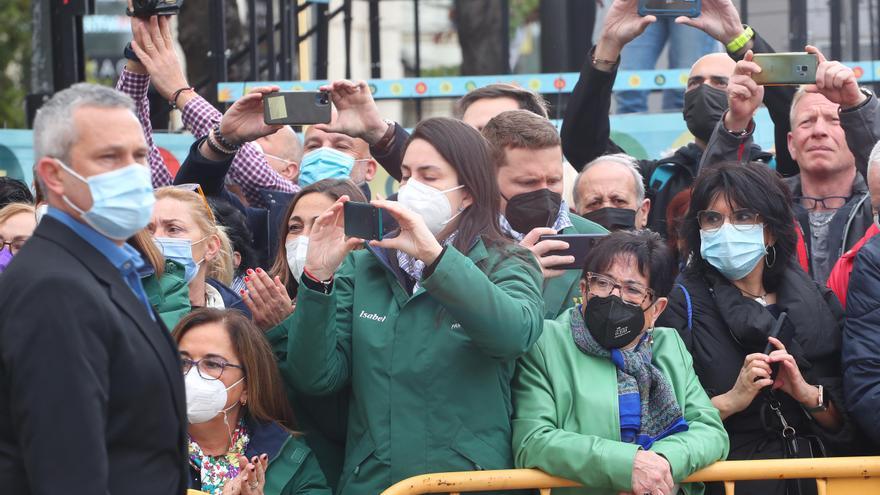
column 153, row 43
column 134, row 81
column 586, row 128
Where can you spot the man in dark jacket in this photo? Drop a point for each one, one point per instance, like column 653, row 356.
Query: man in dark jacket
column 91, row 395
column 861, row 338
column 834, row 125
column 586, row 127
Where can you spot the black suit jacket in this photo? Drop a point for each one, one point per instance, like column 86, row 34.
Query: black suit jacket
column 91, row 393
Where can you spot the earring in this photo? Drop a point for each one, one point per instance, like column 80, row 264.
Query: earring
column 243, row 402
column 767, row 260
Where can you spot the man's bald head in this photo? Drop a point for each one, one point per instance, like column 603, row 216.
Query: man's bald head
column 283, row 152
column 714, row 68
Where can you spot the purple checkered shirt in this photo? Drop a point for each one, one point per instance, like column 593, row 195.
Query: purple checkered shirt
column 249, row 167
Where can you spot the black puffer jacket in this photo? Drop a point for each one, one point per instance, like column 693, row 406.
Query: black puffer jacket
column 724, row 327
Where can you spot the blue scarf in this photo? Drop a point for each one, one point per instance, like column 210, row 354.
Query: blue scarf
column 648, row 408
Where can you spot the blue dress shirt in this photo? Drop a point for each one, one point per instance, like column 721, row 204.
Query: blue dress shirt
column 126, row 259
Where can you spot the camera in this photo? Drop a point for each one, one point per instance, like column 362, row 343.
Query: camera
column 147, row 8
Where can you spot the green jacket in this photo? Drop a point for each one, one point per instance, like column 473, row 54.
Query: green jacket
column 322, row 419
column 430, row 372
column 294, row 471
column 169, row 295
column 564, row 292
column 566, row 420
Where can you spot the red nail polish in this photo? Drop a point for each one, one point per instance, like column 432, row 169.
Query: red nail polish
column 247, row 279
column 250, row 272
column 241, row 291
column 259, row 270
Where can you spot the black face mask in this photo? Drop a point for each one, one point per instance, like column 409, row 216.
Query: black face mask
column 703, row 108
column 612, row 322
column 533, row 209
column 613, row 219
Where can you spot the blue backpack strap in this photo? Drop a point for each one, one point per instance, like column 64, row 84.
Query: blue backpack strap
column 690, row 308
column 661, row 176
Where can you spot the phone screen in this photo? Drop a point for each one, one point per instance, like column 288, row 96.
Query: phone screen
column 670, row 7
column 362, row 220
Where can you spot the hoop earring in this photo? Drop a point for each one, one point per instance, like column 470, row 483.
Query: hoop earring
column 767, row 257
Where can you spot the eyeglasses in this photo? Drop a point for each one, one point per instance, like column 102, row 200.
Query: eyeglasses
column 15, row 245
column 196, row 188
column 828, row 202
column 208, row 368
column 742, row 219
column 630, row 292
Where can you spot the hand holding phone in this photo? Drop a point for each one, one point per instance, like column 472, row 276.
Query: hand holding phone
column 775, row 332
column 579, row 246
column 296, row 108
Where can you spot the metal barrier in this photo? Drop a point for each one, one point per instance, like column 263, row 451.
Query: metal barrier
column 834, row 476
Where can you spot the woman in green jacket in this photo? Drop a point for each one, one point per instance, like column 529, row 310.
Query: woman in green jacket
column 239, row 442
column 425, row 326
column 606, row 399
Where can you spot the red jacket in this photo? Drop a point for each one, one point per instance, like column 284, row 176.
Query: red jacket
column 838, row 281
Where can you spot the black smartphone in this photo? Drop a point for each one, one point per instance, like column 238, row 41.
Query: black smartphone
column 296, row 108
column 579, row 246
column 776, row 332
column 363, row 220
column 669, row 8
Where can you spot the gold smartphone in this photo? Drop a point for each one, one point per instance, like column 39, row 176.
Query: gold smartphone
column 785, row 69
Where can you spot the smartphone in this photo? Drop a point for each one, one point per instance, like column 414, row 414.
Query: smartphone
column 785, row 69
column 579, row 245
column 669, row 8
column 776, row 332
column 363, row 220
column 296, row 108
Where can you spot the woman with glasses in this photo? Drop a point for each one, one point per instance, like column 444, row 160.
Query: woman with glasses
column 607, row 399
column 776, row 380
column 240, row 439
column 184, row 228
column 17, row 224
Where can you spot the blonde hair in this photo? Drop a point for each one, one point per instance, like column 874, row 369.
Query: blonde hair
column 222, row 264
column 798, row 95
column 13, row 209
column 222, row 267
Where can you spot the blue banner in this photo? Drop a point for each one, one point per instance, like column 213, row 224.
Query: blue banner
column 454, row 87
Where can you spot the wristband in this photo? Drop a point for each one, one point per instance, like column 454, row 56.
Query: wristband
column 822, row 406
column 387, row 137
column 128, row 53
column 173, row 101
column 222, row 141
column 325, row 285
column 217, row 147
column 742, row 40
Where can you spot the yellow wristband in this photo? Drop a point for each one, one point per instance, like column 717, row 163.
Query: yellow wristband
column 740, row 41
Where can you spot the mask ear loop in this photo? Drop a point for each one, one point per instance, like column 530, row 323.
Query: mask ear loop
column 226, row 416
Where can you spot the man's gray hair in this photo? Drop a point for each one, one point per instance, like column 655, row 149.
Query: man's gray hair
column 54, row 129
column 874, row 158
column 621, row 159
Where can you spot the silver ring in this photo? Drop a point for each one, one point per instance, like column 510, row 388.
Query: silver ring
column 255, row 484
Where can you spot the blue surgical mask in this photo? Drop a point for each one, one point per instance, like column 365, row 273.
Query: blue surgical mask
column 5, row 258
column 324, row 163
column 734, row 252
column 122, row 200
column 179, row 251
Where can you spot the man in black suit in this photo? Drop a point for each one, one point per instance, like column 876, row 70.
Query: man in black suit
column 91, row 392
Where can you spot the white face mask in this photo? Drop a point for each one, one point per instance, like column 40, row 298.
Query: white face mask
column 205, row 399
column 429, row 202
column 296, row 255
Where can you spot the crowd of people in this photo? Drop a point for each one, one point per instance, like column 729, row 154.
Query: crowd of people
column 216, row 330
